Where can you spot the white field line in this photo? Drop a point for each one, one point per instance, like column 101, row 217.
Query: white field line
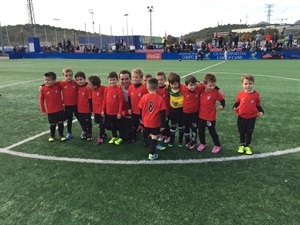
column 147, row 162
column 262, row 75
column 23, row 82
column 203, row 69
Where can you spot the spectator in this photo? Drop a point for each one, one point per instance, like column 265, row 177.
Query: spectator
column 290, row 42
column 236, row 40
column 268, row 38
column 275, row 37
column 258, row 39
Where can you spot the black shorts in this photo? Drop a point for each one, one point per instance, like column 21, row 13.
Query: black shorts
column 70, row 111
column 176, row 116
column 56, row 117
column 99, row 119
column 153, row 131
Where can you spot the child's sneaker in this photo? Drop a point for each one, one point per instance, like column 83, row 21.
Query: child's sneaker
column 161, row 138
column 99, row 140
column 241, row 149
column 112, row 140
column 188, row 145
column 118, row 141
column 152, row 156
column 248, row 150
column 192, row 145
column 83, row 135
column 160, row 147
column 89, row 138
column 62, row 138
column 180, row 145
column 171, row 144
column 51, row 139
column 167, row 139
column 69, row 136
column 216, row 149
column 201, row 147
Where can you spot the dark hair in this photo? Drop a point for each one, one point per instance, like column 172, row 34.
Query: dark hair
column 173, row 77
column 161, row 73
column 152, row 84
column 147, row 76
column 209, row 78
column 95, row 80
column 125, row 72
column 190, row 79
column 51, row 75
column 113, row 74
column 80, row 74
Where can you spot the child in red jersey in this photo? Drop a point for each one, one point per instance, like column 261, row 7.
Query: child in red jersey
column 52, row 105
column 112, row 107
column 69, row 92
column 84, row 106
column 191, row 93
column 97, row 103
column 153, row 109
column 163, row 91
column 135, row 93
column 248, row 107
column 207, row 112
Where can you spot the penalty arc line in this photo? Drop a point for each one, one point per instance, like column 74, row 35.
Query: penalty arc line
column 147, row 162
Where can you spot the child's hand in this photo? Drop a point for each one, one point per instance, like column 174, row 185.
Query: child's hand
column 119, row 116
column 44, row 113
column 260, row 114
column 40, row 88
column 220, row 107
column 161, row 129
column 102, row 114
column 129, row 111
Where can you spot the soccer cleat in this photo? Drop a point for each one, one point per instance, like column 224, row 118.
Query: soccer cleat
column 180, row 145
column 83, row 135
column 167, row 139
column 171, row 144
column 62, row 138
column 118, row 141
column 188, row 145
column 192, row 145
column 152, row 156
column 99, row 140
column 161, row 138
column 241, row 149
column 69, row 136
column 89, row 138
column 160, row 148
column 51, row 139
column 216, row 149
column 201, row 147
column 248, row 150
column 112, row 140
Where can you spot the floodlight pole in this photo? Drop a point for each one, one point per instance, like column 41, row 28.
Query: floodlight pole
column 150, row 10
column 126, row 15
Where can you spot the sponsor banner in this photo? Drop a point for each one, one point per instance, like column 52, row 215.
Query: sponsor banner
column 217, row 55
column 153, row 55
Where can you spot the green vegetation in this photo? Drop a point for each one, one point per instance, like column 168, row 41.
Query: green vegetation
column 255, row 191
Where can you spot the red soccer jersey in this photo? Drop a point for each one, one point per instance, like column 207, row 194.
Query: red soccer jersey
column 69, row 91
column 113, row 101
column 50, row 99
column 208, row 104
column 191, row 98
column 164, row 92
column 97, row 99
column 248, row 103
column 84, row 95
column 125, row 107
column 135, row 95
column 151, row 105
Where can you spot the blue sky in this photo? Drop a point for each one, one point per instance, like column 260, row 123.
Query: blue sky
column 167, row 17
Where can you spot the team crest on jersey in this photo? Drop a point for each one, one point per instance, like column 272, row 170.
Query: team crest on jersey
column 83, row 94
column 74, row 86
column 252, row 101
column 56, row 91
column 151, row 106
column 114, row 96
column 48, row 93
column 139, row 94
column 243, row 99
column 65, row 87
column 98, row 93
column 208, row 97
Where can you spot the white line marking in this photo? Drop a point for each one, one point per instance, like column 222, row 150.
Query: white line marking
column 203, row 69
column 262, row 75
column 8, row 85
column 147, row 162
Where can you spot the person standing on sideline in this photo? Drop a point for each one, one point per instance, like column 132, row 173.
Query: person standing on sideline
column 248, row 107
column 52, row 105
column 153, row 110
column 207, row 112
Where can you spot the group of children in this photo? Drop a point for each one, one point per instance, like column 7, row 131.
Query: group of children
column 157, row 106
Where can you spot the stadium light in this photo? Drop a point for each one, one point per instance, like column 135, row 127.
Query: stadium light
column 55, row 29
column 92, row 13
column 126, row 15
column 150, row 10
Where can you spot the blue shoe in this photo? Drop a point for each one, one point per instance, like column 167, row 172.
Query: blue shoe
column 160, row 148
column 69, row 136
